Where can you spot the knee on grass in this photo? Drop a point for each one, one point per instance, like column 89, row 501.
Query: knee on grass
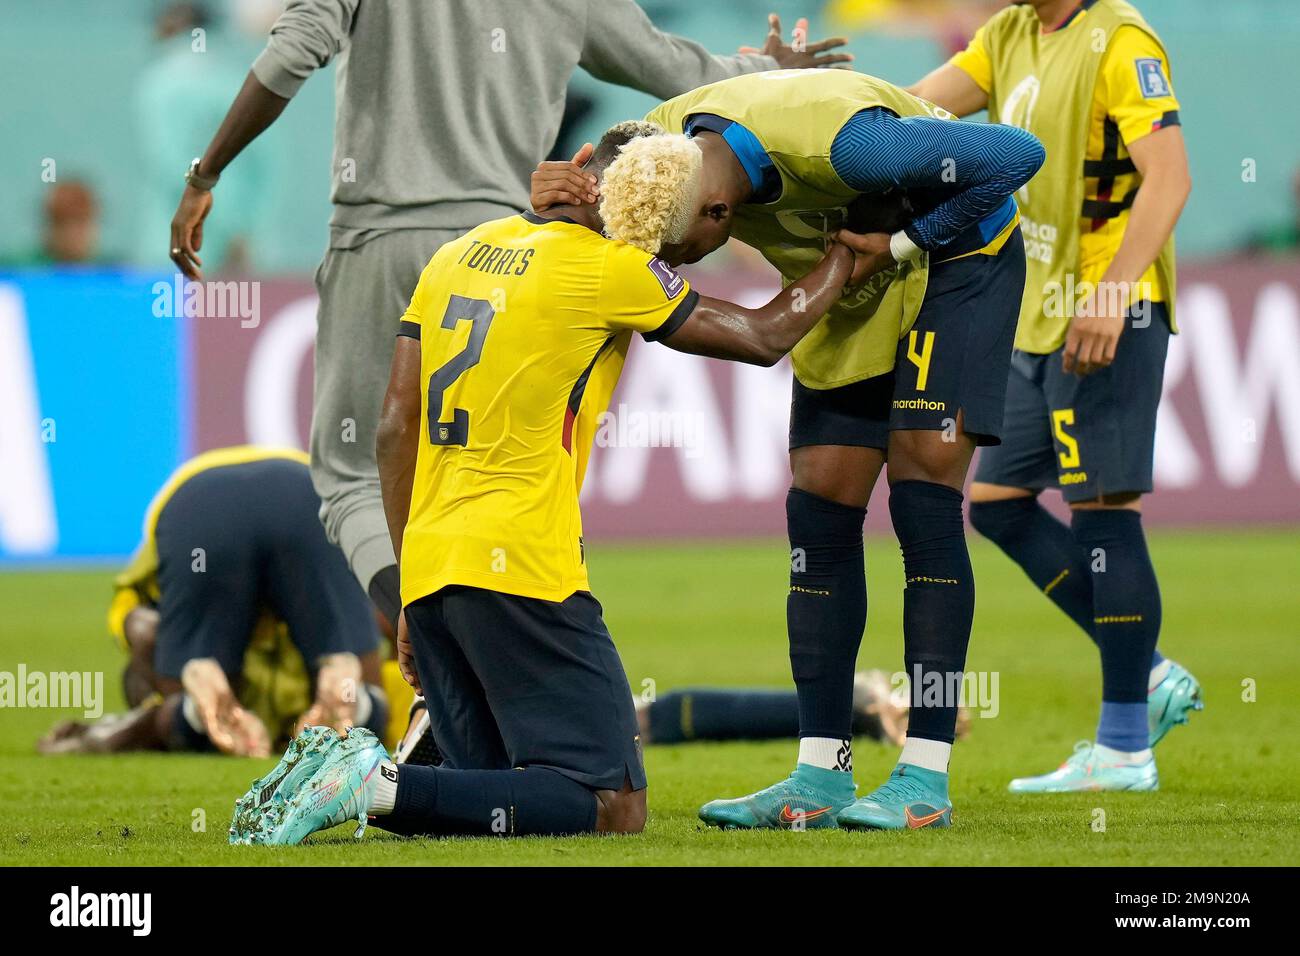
column 620, row 811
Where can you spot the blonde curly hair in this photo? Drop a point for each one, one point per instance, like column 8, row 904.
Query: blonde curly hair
column 648, row 194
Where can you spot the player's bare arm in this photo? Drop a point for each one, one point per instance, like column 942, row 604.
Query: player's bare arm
column 141, row 631
column 397, row 440
column 396, row 446
column 1094, row 333
column 952, row 88
column 762, row 336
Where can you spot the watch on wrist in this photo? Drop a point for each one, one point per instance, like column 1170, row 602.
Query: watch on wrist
column 198, row 181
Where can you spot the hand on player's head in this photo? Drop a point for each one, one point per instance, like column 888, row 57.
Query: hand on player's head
column 651, row 194
column 564, row 183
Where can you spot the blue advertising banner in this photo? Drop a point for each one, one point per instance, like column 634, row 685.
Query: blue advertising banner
column 94, row 407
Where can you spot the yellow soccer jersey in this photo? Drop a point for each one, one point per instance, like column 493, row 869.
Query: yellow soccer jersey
column 523, row 326
column 274, row 683
column 1133, row 97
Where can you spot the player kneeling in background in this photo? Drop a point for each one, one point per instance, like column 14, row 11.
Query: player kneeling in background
column 233, row 588
column 511, row 347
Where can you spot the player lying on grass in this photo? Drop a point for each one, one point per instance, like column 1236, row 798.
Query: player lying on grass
column 1086, row 376
column 726, row 713
column 233, row 588
column 789, row 156
column 508, row 353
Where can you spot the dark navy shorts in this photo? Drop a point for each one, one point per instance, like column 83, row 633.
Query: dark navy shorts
column 955, row 358
column 520, row 682
column 260, row 547
column 1089, row 436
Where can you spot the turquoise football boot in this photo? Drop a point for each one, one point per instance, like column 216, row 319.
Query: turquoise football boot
column 301, row 760
column 1086, row 770
column 342, row 789
column 912, row 798
column 808, row 799
column 1172, row 701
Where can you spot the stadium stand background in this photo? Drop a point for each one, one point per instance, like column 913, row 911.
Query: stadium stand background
column 102, row 373
column 73, row 69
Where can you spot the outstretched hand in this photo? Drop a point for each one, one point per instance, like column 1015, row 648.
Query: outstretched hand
column 799, row 54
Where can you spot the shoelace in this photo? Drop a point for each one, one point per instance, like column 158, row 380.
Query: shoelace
column 1081, row 756
column 904, row 788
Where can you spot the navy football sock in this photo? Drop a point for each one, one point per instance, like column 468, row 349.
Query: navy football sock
column 1123, row 726
column 532, row 801
column 938, row 602
column 826, row 609
column 1126, row 615
column 707, row 714
column 1044, row 548
column 186, row 731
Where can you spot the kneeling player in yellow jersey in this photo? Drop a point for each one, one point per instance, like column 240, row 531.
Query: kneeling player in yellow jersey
column 234, row 612
column 511, row 347
column 790, row 157
column 1091, row 79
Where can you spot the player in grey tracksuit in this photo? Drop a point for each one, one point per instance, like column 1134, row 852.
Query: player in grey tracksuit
column 442, row 110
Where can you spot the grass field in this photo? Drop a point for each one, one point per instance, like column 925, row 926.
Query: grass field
column 713, row 613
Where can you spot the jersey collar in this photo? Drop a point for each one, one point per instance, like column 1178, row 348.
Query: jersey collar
column 1072, row 16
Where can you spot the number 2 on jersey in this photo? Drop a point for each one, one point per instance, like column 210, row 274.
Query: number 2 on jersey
column 479, row 313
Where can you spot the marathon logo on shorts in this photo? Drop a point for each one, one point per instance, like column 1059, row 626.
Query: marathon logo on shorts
column 669, row 279
column 1151, row 78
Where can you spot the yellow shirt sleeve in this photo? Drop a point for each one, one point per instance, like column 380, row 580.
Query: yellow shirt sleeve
column 125, row 600
column 642, row 292
column 974, row 60
column 1134, row 84
column 414, row 313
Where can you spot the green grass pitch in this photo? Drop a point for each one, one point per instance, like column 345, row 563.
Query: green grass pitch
column 713, row 614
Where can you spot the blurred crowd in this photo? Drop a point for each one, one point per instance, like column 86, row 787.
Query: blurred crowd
column 179, row 100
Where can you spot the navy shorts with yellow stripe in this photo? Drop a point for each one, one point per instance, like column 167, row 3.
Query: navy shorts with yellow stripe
column 954, row 359
column 520, row 682
column 242, row 539
column 1091, row 435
